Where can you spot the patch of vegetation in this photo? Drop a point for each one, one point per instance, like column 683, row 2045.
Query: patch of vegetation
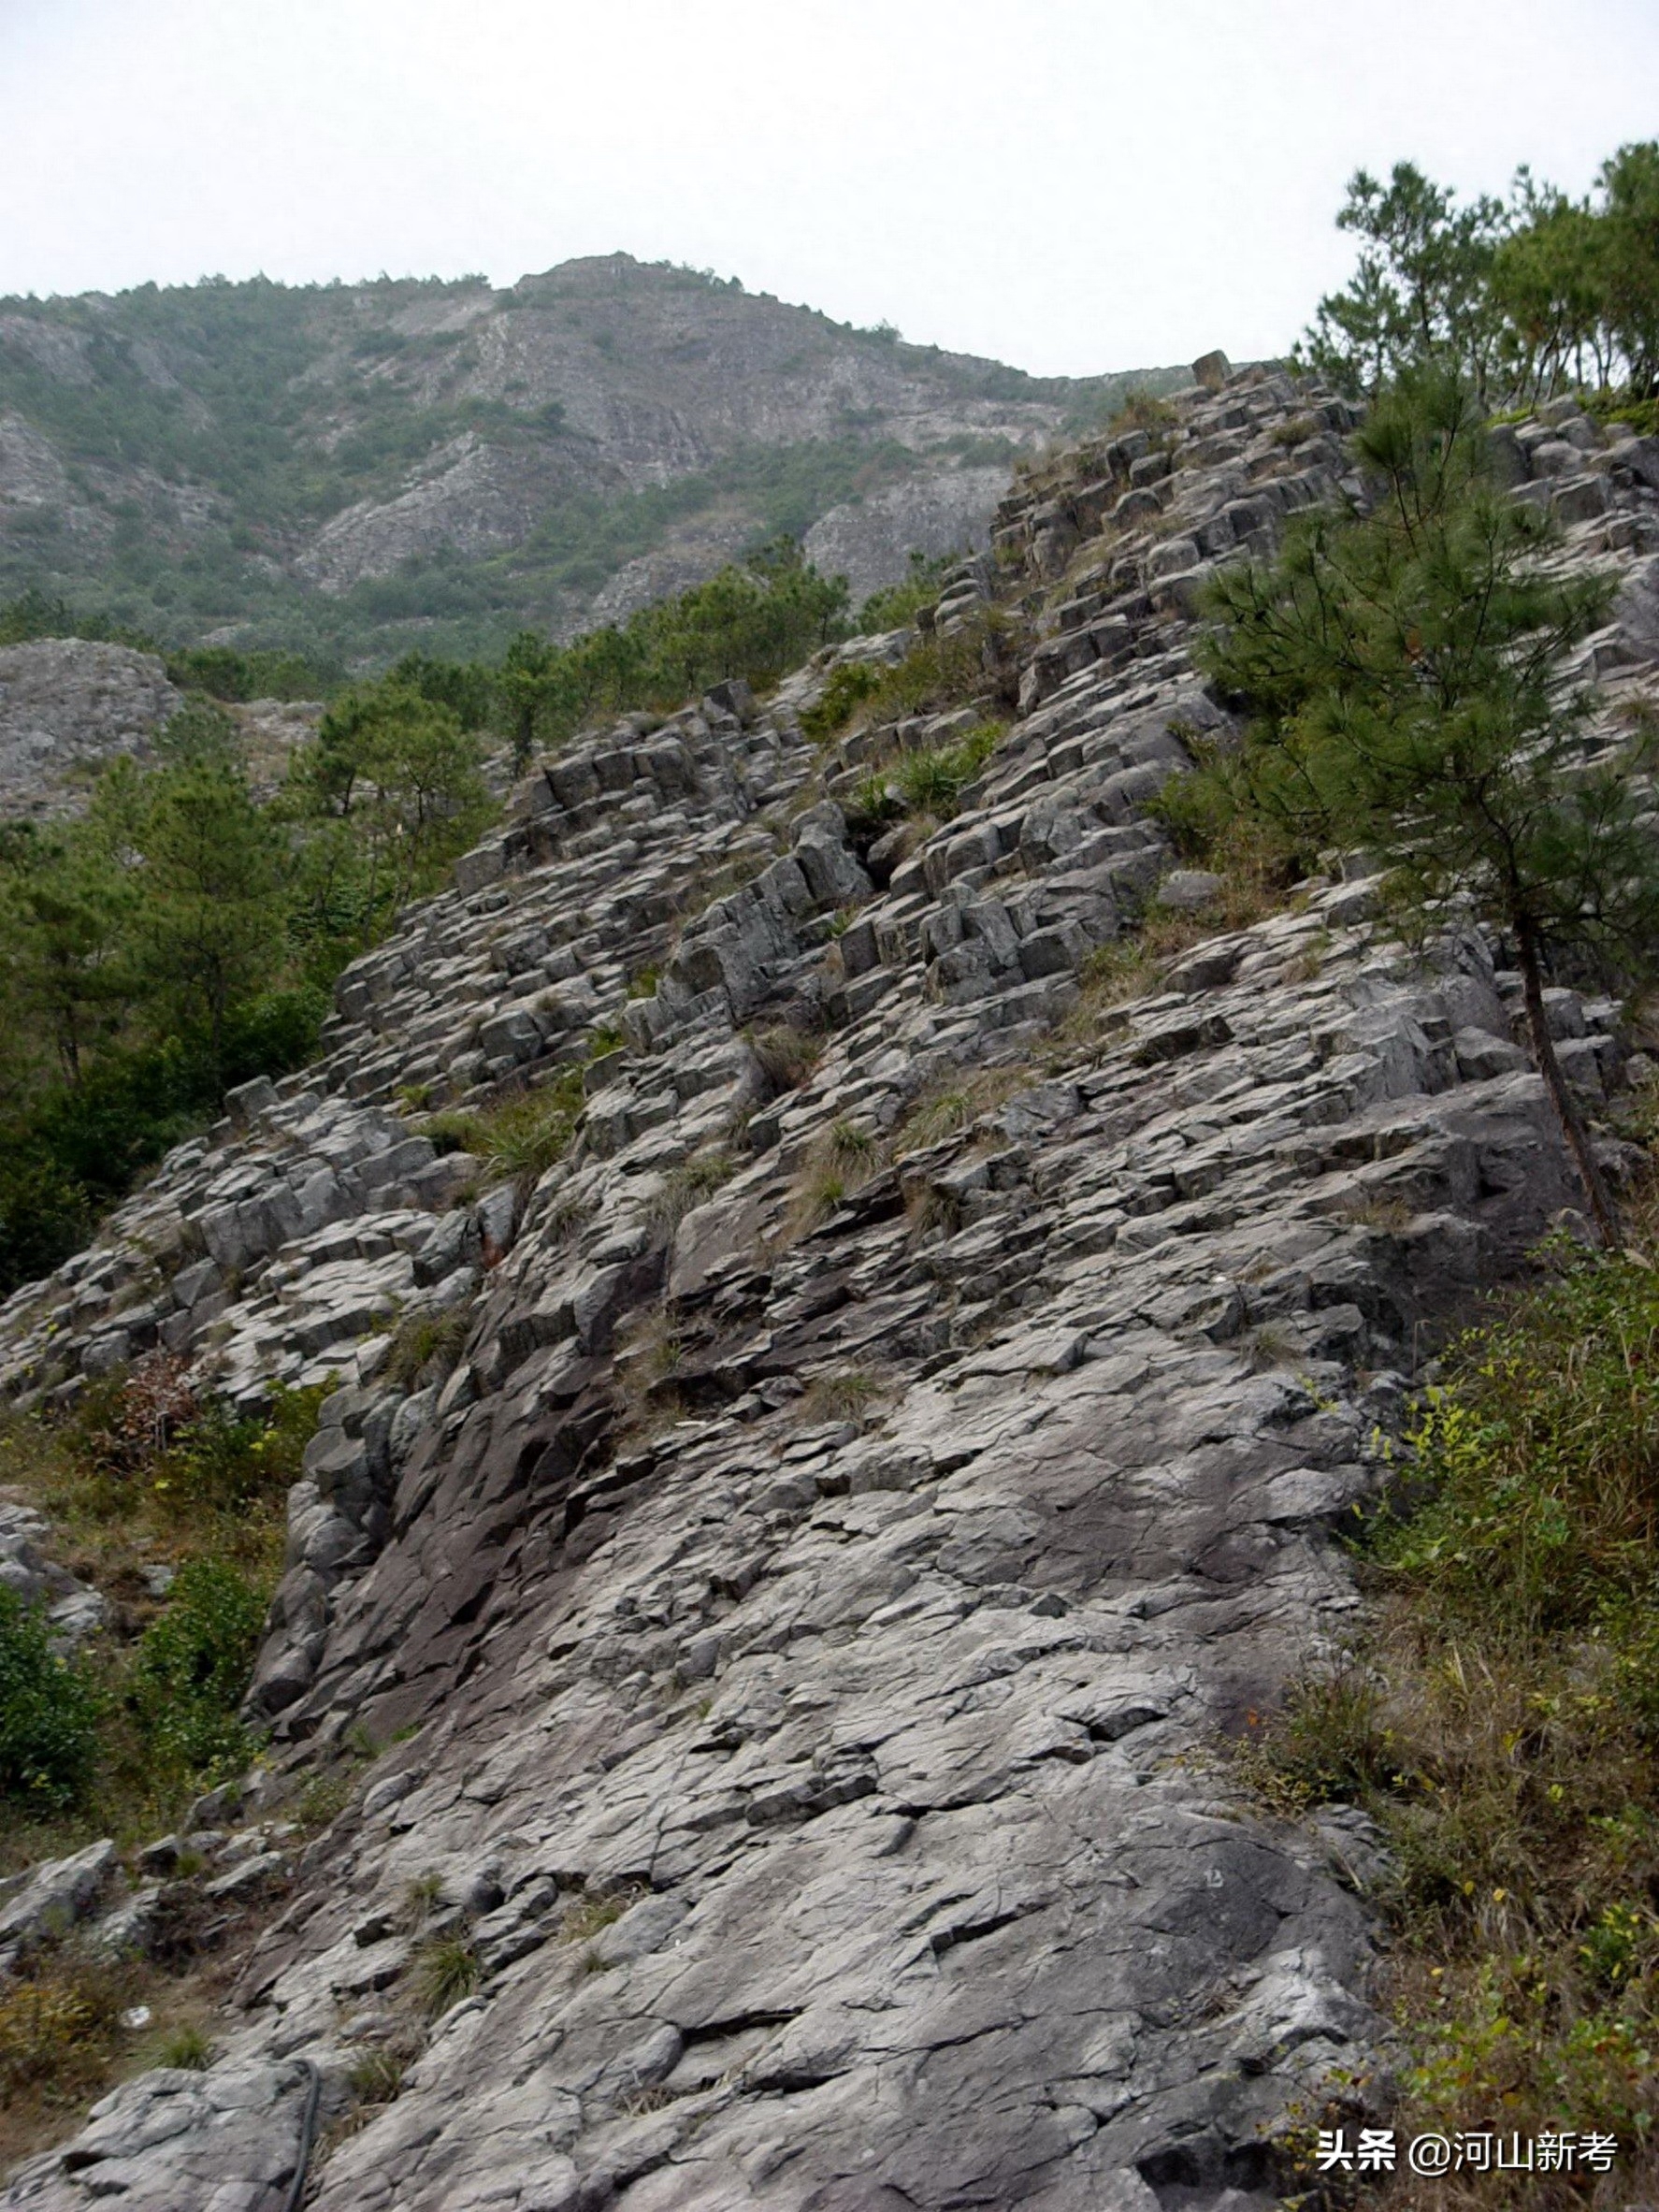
column 1500, row 1724
column 686, row 1187
column 932, row 781
column 1523, row 300
column 446, row 1970
column 425, row 1347
column 935, row 675
column 60, row 2023
column 144, row 1486
column 898, row 606
column 192, row 1667
column 596, row 1912
column 50, row 1711
column 520, row 1137
column 846, row 1393
column 190, row 2047
column 786, row 1056
column 1405, row 675
column 376, row 2075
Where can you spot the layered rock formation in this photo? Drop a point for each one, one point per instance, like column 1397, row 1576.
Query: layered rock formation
column 878, row 1471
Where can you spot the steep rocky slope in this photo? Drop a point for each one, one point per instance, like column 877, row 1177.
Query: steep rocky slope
column 359, row 465
column 799, row 1624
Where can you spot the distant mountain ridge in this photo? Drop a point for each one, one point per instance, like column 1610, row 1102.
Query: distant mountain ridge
column 353, row 469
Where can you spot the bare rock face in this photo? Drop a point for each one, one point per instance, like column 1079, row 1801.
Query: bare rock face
column 869, row 542
column 66, row 706
column 890, row 1450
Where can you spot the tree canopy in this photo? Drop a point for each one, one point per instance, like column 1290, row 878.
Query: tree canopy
column 1521, row 299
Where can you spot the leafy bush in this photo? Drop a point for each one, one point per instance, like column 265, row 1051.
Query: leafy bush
column 192, row 1667
column 58, row 2026
column 49, row 1713
column 227, row 1466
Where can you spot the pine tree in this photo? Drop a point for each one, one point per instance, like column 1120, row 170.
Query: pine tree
column 1405, row 673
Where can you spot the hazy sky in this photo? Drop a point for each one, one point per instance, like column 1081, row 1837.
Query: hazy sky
column 1070, row 186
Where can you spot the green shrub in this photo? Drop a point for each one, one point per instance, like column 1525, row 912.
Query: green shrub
column 192, row 1667
column 229, row 1465
column 58, row 2026
column 426, row 1343
column 849, row 686
column 521, row 1136
column 901, row 603
column 48, row 1715
column 189, row 2048
column 933, row 782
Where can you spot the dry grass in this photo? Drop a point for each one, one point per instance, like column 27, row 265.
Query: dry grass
column 952, row 1104
column 847, row 1394
column 786, row 1056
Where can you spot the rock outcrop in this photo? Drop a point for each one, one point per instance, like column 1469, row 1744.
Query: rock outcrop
column 889, row 1451
column 66, row 707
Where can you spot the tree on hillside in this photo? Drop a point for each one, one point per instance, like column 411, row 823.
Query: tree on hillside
column 1421, row 292
column 1630, row 185
column 1520, row 300
column 66, row 907
column 385, row 798
column 208, row 927
column 1404, row 673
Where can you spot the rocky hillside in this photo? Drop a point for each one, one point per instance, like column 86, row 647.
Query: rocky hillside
column 353, row 469
column 879, row 1457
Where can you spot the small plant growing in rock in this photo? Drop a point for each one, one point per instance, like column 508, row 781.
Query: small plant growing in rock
column 851, row 1143
column 446, row 1970
column 376, row 2077
column 686, row 1187
column 589, row 1915
column 420, row 1900
column 425, row 1347
column 933, row 782
column 566, row 1219
column 846, row 1394
column 786, row 1056
column 188, row 2048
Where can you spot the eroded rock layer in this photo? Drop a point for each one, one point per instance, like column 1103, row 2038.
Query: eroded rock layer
column 803, row 1621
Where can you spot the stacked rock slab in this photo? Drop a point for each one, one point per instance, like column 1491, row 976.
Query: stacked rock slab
column 803, row 1621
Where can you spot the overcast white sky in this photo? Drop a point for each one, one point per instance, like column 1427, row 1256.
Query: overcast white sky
column 1070, row 186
